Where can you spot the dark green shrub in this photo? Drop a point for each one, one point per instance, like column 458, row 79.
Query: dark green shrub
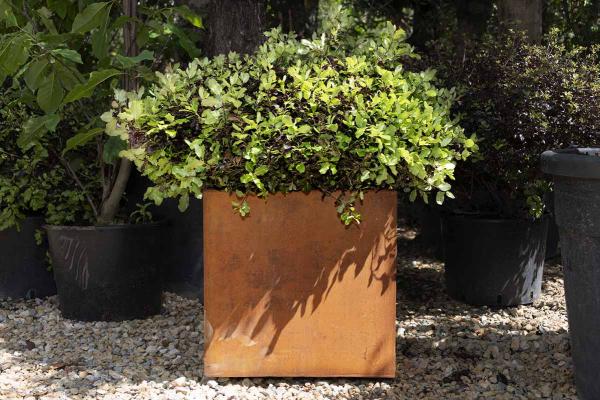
column 520, row 100
column 33, row 181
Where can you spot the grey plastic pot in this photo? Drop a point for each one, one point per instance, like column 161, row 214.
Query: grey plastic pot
column 576, row 174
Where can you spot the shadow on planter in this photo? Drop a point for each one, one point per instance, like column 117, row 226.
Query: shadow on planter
column 23, row 267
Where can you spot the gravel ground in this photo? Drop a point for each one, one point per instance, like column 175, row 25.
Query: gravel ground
column 446, row 350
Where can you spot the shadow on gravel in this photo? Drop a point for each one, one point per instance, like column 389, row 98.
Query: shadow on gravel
column 444, row 349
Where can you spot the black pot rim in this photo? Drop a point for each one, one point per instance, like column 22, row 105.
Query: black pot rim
column 104, row 227
column 576, row 162
column 491, row 220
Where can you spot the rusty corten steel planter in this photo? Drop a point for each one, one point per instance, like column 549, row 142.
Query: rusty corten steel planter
column 291, row 291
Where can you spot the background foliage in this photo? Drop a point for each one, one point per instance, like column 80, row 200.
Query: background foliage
column 62, row 60
column 519, row 99
column 34, row 181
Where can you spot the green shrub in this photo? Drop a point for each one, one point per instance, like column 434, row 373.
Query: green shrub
column 62, row 60
column 520, row 100
column 34, row 182
column 338, row 113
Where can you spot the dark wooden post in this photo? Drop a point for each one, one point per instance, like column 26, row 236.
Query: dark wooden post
column 129, row 36
column 524, row 14
column 235, row 25
column 296, row 15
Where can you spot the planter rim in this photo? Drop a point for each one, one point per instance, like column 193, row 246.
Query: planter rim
column 298, row 191
column 491, row 220
column 576, row 162
column 103, row 227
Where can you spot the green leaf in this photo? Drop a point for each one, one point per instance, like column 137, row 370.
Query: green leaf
column 444, row 187
column 13, row 54
column 89, row 18
column 6, row 14
column 68, row 54
column 260, row 171
column 128, row 62
column 304, row 129
column 190, row 16
column 87, row 89
column 100, row 44
column 211, row 102
column 46, row 17
column 184, row 41
column 439, row 198
column 300, row 168
column 35, row 128
column 67, row 76
column 413, row 196
column 59, row 7
column 246, row 178
column 34, row 74
column 113, row 146
column 184, row 202
column 82, row 138
column 50, row 94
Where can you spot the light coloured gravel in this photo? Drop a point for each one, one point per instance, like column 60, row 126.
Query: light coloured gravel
column 446, row 350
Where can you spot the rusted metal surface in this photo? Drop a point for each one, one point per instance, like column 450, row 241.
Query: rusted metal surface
column 291, row 291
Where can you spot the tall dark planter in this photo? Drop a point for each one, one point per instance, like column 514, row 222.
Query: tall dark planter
column 552, row 243
column 576, row 174
column 494, row 262
column 108, row 273
column 185, row 274
column 23, row 268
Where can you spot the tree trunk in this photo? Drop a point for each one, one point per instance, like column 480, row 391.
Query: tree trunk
column 472, row 21
column 473, row 16
column 110, row 206
column 422, row 24
column 235, row 25
column 525, row 15
column 299, row 16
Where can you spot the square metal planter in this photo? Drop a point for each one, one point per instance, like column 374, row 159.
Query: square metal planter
column 291, row 291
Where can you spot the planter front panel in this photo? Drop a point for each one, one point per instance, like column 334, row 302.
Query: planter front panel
column 291, row 291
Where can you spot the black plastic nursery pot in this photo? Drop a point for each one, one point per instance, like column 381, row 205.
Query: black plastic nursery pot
column 494, row 262
column 576, row 175
column 185, row 275
column 108, row 273
column 23, row 268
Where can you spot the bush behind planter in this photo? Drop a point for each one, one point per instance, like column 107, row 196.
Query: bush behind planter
column 296, row 116
column 519, row 99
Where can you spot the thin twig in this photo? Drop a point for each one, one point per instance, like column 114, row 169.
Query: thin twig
column 73, row 174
